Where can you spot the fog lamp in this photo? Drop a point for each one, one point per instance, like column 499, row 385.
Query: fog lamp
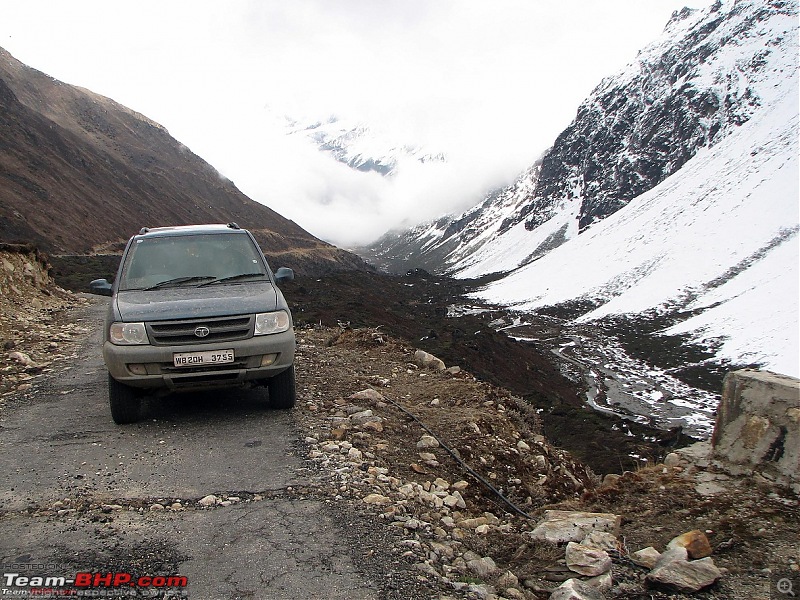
column 137, row 369
column 268, row 359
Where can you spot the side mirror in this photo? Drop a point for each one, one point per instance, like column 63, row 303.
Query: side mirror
column 284, row 274
column 100, row 286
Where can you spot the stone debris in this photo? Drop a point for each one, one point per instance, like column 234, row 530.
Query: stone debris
column 574, row 589
column 586, row 560
column 646, row 557
column 560, row 527
column 695, row 542
column 209, row 500
column 35, row 332
column 675, row 572
column 428, row 361
column 427, row 441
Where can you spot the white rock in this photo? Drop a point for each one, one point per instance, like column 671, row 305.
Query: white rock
column 574, row 589
column 507, row 580
column 209, row 500
column 586, row 560
column 429, row 361
column 601, row 540
column 559, row 526
column 646, row 557
column 482, row 567
column 377, row 499
column 368, row 394
column 682, row 575
column 427, row 441
column 21, row 358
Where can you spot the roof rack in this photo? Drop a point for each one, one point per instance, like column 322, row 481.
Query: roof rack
column 233, row 225
column 144, row 230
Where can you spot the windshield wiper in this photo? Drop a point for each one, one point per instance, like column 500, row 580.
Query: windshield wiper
column 178, row 281
column 231, row 278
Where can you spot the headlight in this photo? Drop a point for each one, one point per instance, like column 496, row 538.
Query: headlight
column 272, row 322
column 126, row 334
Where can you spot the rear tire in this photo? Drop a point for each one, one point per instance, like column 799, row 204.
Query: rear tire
column 125, row 402
column 282, row 392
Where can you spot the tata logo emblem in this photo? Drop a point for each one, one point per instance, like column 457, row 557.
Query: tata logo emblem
column 202, row 332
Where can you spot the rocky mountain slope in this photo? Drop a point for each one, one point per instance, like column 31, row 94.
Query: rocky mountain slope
column 80, row 173
column 708, row 73
column 693, row 150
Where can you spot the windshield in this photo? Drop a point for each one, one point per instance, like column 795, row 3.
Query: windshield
column 168, row 261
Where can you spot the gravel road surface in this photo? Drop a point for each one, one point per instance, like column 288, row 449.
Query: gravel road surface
column 82, row 494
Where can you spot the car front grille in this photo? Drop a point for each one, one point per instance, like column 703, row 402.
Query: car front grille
column 220, row 329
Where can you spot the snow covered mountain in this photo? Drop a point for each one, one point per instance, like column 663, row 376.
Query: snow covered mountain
column 361, row 147
column 674, row 191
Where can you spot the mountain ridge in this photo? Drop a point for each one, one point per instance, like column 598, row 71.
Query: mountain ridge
column 81, row 173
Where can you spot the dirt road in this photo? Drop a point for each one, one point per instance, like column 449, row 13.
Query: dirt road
column 82, row 494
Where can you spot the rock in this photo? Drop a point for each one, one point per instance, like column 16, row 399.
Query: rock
column 459, row 499
column 682, row 575
column 602, row 583
column 561, row 526
column 601, row 540
column 522, row 446
column 507, row 580
column 427, row 441
column 610, row 480
column 672, row 460
column 156, row 506
column 362, row 416
column 574, row 589
column 586, row 560
column 22, row 359
column 354, row 454
column 482, row 567
column 646, row 557
column 209, row 500
column 368, row 394
column 428, row 361
column 376, row 425
column 473, row 523
column 695, row 542
column 377, row 499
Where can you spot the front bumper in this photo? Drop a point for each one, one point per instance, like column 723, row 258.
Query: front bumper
column 157, row 361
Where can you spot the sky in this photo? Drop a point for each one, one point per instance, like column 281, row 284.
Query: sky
column 488, row 84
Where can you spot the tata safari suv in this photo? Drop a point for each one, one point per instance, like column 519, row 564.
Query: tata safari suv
column 194, row 308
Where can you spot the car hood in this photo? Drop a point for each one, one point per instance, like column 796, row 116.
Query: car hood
column 174, row 303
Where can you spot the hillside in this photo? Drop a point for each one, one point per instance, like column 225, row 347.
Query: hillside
column 672, row 196
column 80, row 174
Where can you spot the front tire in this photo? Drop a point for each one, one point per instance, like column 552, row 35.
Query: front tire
column 282, row 392
column 125, row 402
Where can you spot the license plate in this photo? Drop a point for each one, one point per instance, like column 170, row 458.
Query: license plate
column 209, row 357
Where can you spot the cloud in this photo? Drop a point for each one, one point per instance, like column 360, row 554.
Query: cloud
column 489, row 84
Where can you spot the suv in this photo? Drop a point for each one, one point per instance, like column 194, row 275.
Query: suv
column 194, row 308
